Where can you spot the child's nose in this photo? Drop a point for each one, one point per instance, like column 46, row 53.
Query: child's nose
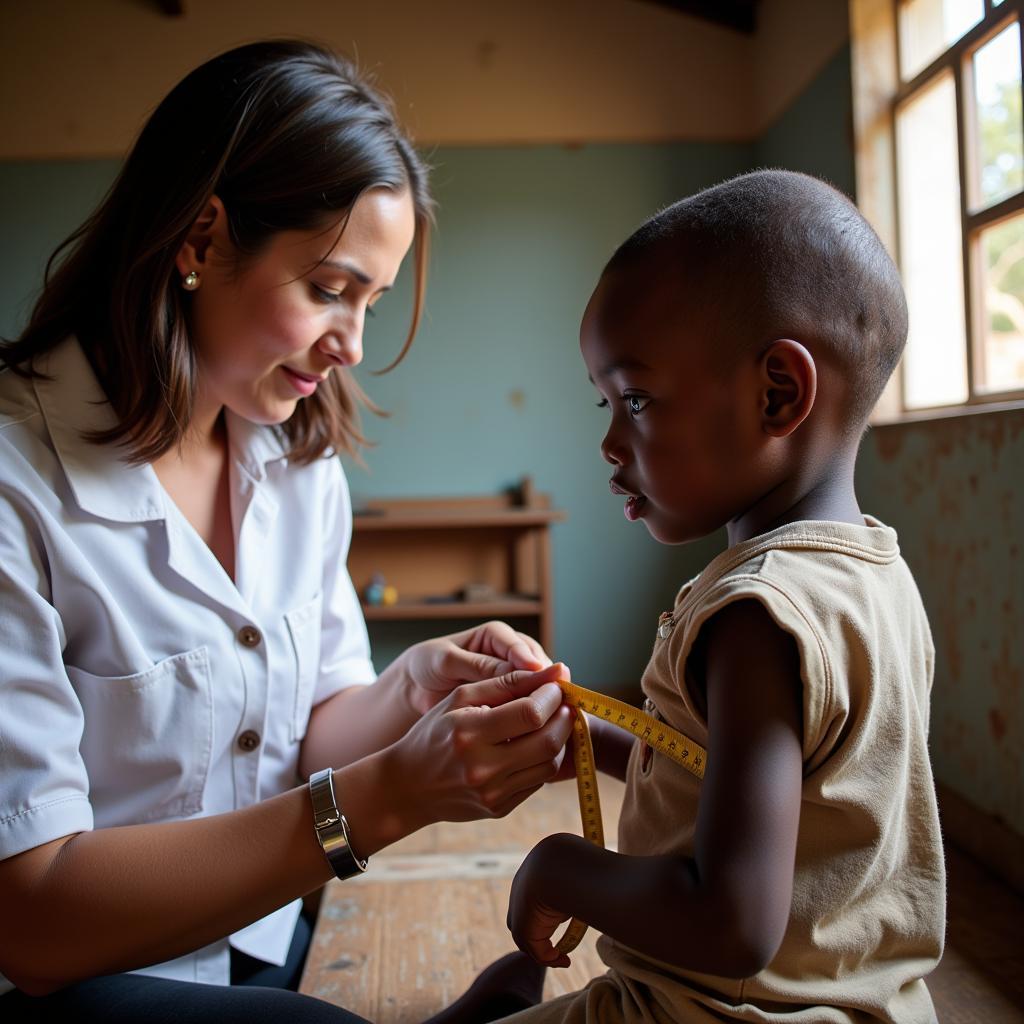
column 611, row 450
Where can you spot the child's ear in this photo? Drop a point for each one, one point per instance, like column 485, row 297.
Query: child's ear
column 210, row 228
column 789, row 382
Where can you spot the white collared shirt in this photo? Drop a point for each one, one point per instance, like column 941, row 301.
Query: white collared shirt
column 138, row 681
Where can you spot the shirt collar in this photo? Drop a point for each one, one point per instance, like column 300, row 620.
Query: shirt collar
column 103, row 482
column 254, row 446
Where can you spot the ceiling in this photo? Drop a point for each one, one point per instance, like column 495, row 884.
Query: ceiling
column 737, row 14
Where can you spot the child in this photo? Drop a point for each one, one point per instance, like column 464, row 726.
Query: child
column 740, row 339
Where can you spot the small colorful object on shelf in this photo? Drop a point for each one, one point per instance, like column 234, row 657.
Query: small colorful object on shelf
column 374, row 591
column 390, row 595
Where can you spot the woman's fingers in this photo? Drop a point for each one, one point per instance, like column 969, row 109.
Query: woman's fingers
column 543, row 748
column 511, row 686
column 525, row 652
column 508, row 803
column 529, row 779
column 459, row 665
column 502, row 641
column 509, row 772
column 522, row 716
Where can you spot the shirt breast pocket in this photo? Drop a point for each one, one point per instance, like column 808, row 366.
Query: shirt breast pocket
column 304, row 630
column 147, row 739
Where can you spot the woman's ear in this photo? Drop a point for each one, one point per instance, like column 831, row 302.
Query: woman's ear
column 789, row 383
column 210, row 229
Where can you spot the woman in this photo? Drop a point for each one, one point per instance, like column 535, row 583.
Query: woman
column 182, row 641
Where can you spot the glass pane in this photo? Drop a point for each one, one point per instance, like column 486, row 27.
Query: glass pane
column 927, row 27
column 1000, row 154
column 1001, row 359
column 931, row 254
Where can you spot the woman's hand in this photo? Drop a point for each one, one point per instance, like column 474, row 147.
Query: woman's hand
column 434, row 668
column 484, row 748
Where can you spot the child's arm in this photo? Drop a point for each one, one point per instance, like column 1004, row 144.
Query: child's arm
column 612, row 747
column 725, row 910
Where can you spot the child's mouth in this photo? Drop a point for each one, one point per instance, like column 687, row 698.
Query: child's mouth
column 635, row 507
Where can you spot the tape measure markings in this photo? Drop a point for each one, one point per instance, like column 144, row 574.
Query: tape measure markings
column 659, row 736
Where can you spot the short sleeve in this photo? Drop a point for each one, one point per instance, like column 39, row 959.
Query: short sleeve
column 344, row 644
column 815, row 671
column 45, row 791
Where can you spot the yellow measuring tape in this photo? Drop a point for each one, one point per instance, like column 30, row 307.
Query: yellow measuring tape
column 657, row 735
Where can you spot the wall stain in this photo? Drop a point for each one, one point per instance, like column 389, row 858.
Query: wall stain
column 888, row 442
column 997, row 723
column 953, row 490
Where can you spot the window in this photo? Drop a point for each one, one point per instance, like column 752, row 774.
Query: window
column 940, row 172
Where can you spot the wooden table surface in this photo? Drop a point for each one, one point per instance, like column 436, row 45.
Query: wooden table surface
column 407, row 938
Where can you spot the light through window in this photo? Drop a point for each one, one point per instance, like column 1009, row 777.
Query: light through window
column 956, row 114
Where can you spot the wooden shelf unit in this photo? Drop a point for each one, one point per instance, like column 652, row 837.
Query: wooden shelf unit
column 431, row 548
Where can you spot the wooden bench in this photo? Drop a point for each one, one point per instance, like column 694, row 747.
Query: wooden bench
column 407, row 938
column 403, row 941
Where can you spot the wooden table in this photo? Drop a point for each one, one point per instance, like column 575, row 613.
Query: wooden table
column 407, row 938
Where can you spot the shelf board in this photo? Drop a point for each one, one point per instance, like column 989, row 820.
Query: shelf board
column 515, row 518
column 412, row 610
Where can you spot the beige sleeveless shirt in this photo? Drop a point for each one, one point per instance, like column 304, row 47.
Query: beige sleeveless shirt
column 868, row 912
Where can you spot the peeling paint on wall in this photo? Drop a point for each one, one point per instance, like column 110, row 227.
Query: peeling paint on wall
column 954, row 491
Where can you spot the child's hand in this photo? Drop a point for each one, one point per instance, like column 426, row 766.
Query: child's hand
column 531, row 918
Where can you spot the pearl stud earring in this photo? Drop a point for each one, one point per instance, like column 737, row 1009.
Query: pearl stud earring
column 190, row 282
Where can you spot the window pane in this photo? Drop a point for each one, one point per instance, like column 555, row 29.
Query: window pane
column 1000, row 151
column 927, row 27
column 1001, row 359
column 931, row 254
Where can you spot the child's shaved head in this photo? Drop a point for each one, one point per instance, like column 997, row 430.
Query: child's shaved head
column 775, row 254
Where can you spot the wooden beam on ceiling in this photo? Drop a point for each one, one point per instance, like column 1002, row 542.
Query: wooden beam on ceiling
column 740, row 15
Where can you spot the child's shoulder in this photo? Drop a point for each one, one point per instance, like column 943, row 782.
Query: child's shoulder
column 820, row 563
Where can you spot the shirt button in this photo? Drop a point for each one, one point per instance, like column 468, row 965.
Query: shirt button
column 249, row 740
column 249, row 636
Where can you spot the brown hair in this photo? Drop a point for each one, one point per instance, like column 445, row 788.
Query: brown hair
column 289, row 136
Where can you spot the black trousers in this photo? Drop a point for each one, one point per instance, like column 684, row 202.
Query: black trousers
column 259, row 994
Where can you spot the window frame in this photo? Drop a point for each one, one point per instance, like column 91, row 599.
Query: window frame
column 878, row 93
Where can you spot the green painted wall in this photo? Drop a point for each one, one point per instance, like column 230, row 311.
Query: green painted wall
column 494, row 389
column 815, row 133
column 954, row 491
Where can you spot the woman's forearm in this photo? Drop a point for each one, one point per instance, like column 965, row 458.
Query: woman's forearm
column 121, row 898
column 357, row 722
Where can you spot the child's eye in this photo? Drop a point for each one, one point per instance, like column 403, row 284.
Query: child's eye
column 603, row 404
column 636, row 403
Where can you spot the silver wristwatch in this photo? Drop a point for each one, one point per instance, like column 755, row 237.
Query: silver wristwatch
column 331, row 826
